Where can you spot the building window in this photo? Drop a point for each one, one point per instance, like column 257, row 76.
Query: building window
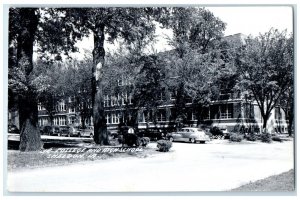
column 45, row 121
column 130, row 99
column 278, row 115
column 118, row 99
column 71, row 99
column 124, row 98
column 206, row 113
column 161, row 96
column 161, row 116
column 72, row 109
column 142, row 117
column 226, row 111
column 62, row 121
column 39, row 107
column 119, row 82
column 173, row 95
column 62, row 106
column 113, row 101
column 107, row 119
column 106, row 101
column 115, row 118
column 194, row 116
column 55, row 121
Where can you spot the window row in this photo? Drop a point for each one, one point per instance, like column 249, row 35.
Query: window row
column 60, row 121
column 120, row 99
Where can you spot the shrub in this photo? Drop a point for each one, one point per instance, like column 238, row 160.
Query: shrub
column 164, row 145
column 277, row 139
column 120, row 139
column 144, row 141
column 209, row 134
column 235, row 137
column 266, row 137
column 251, row 137
column 215, row 131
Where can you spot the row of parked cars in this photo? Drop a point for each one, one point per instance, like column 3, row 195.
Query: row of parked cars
column 68, row 131
column 187, row 134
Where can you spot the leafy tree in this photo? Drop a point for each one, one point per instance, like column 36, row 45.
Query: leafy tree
column 129, row 24
column 43, row 28
column 22, row 26
column 150, row 84
column 287, row 100
column 265, row 66
column 196, row 33
column 77, row 86
column 122, row 70
column 49, row 84
column 193, row 27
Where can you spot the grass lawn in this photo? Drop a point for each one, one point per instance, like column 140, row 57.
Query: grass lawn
column 284, row 182
column 64, row 156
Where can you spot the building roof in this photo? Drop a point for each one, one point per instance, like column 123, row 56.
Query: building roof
column 236, row 40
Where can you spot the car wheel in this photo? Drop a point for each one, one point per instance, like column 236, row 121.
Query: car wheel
column 171, row 139
column 193, row 140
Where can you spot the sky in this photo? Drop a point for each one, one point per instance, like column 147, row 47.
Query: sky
column 253, row 20
column 245, row 20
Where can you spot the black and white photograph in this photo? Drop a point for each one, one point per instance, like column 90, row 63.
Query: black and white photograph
column 149, row 98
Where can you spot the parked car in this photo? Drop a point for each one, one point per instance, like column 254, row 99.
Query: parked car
column 69, row 131
column 64, row 131
column 152, row 133
column 50, row 130
column 189, row 135
column 86, row 132
column 13, row 129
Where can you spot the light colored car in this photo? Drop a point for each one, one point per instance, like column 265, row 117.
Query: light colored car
column 74, row 131
column 86, row 132
column 69, row 131
column 189, row 135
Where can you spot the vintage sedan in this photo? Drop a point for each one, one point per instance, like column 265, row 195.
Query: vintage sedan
column 86, row 132
column 189, row 134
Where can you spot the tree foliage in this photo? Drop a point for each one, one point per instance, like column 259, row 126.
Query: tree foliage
column 48, row 31
column 265, row 65
column 198, row 60
column 111, row 23
column 195, row 28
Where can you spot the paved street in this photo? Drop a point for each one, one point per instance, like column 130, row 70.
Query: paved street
column 215, row 166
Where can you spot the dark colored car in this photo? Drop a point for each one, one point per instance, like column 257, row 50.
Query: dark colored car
column 50, row 130
column 64, row 131
column 152, row 133
column 13, row 129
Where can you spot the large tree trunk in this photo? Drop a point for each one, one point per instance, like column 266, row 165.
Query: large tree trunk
column 100, row 128
column 30, row 138
column 199, row 114
column 265, row 120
